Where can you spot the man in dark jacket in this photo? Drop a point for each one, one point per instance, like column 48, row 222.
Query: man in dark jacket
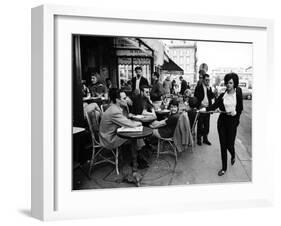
column 204, row 95
column 183, row 85
column 138, row 81
column 157, row 89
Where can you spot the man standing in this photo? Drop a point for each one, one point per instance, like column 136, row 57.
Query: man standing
column 167, row 85
column 183, row 85
column 138, row 81
column 157, row 90
column 204, row 95
column 112, row 119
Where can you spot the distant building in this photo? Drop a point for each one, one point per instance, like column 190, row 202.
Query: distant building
column 183, row 53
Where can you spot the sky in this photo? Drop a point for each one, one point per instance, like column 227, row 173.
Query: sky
column 222, row 54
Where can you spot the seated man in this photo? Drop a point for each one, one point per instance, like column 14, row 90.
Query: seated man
column 112, row 119
column 142, row 104
column 166, row 128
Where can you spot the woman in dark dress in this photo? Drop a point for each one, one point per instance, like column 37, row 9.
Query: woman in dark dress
column 231, row 104
column 166, row 127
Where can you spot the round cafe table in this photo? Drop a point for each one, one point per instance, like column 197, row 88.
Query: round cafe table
column 136, row 135
column 133, row 136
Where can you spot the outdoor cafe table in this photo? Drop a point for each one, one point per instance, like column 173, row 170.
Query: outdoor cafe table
column 145, row 120
column 98, row 100
column 77, row 133
column 133, row 136
column 136, row 135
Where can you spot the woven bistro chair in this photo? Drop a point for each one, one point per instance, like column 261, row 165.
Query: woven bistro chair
column 98, row 151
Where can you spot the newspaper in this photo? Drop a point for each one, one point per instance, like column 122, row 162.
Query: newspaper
column 130, row 129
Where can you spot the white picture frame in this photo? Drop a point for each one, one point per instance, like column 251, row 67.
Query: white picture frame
column 52, row 197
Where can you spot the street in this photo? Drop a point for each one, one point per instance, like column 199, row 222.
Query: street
column 244, row 135
column 199, row 166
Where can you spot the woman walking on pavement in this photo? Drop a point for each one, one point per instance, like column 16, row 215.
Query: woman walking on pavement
column 230, row 103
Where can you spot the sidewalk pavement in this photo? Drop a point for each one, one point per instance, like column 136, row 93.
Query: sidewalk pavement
column 198, row 167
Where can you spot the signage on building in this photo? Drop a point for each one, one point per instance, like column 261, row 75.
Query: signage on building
column 132, row 52
column 124, row 60
column 141, row 61
column 172, row 72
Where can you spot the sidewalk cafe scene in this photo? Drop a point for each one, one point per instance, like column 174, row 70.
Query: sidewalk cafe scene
column 159, row 112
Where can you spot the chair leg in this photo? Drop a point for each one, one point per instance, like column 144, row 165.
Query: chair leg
column 174, row 150
column 158, row 148
column 176, row 155
column 116, row 161
column 92, row 162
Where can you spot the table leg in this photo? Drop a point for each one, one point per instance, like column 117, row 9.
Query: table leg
column 134, row 154
column 136, row 175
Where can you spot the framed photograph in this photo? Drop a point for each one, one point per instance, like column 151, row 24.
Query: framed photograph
column 135, row 112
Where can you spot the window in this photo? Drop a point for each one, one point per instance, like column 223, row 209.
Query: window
column 181, row 59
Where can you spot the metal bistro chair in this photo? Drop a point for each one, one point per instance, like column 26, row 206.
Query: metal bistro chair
column 193, row 130
column 160, row 150
column 98, row 150
column 171, row 142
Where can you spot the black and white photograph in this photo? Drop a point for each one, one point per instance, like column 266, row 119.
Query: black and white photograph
column 160, row 112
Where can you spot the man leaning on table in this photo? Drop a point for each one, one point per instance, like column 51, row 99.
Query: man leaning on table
column 112, row 119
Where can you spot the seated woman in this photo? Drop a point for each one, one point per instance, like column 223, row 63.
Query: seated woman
column 85, row 90
column 97, row 88
column 165, row 128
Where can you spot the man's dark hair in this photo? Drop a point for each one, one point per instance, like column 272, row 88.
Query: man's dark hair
column 201, row 72
column 206, row 75
column 192, row 102
column 156, row 74
column 114, row 94
column 232, row 76
column 181, row 77
column 138, row 68
column 145, row 86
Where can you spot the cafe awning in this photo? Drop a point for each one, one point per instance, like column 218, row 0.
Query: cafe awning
column 171, row 67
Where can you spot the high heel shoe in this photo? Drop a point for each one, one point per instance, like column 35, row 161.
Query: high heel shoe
column 221, row 172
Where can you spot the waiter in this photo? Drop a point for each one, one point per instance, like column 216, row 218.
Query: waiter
column 138, row 81
column 204, row 95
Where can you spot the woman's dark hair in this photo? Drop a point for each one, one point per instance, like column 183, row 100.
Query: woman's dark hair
column 174, row 102
column 114, row 94
column 232, row 76
column 156, row 74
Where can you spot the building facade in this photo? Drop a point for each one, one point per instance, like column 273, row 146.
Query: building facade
column 183, row 53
